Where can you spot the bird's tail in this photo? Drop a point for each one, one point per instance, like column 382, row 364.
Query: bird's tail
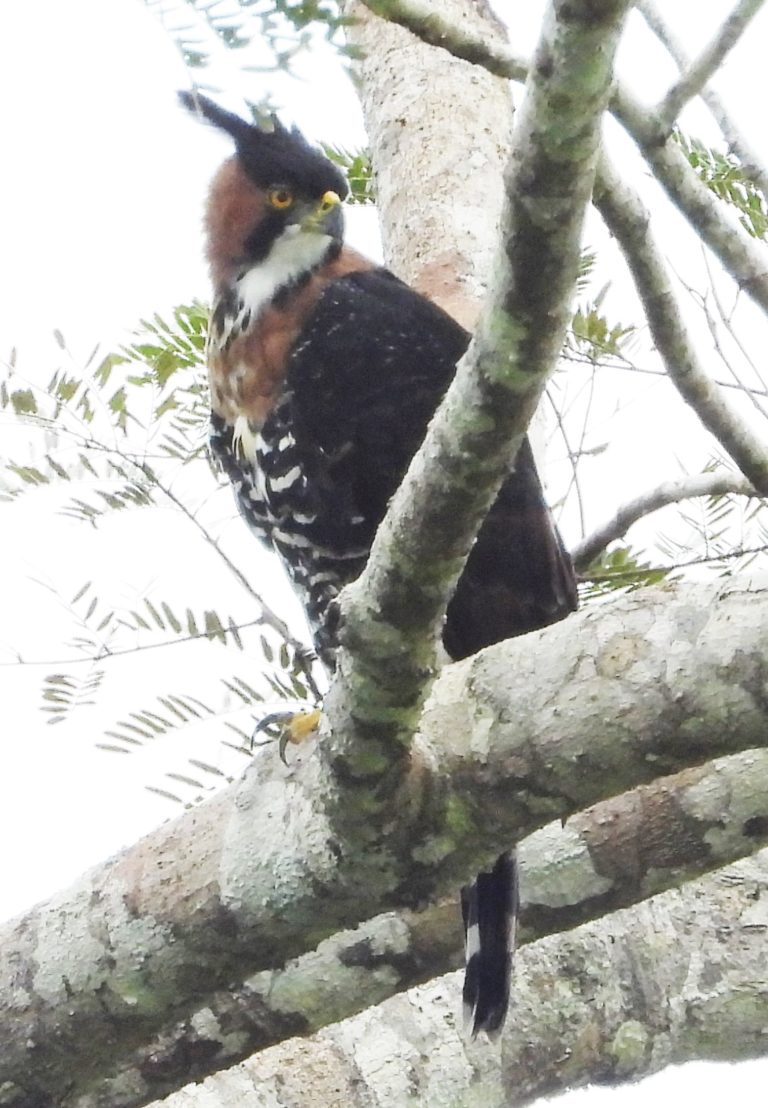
column 489, row 907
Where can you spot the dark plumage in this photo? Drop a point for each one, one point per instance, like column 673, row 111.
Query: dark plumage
column 489, row 909
column 325, row 371
column 272, row 157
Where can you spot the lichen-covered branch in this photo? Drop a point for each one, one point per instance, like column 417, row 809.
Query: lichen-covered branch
column 628, row 220
column 718, row 483
column 732, row 134
column 696, row 75
column 527, row 732
column 745, row 259
column 610, row 1002
column 608, row 857
column 740, row 255
column 392, row 614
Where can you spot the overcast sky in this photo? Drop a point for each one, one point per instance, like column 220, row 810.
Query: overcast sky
column 102, row 191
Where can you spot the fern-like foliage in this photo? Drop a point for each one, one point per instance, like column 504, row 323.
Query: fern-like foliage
column 592, row 337
column 129, row 433
column 276, row 30
column 724, row 175
column 724, row 533
column 621, row 569
column 356, row 165
column 721, row 534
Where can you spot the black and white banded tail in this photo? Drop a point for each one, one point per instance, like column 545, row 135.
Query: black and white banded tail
column 489, row 907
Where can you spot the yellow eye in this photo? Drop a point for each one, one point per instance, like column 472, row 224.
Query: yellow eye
column 280, row 197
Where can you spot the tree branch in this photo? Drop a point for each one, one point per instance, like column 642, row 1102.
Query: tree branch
column 608, row 857
column 610, row 1002
column 750, row 162
column 648, row 683
column 421, row 19
column 391, row 615
column 740, row 255
column 699, row 72
column 718, row 483
column 629, row 222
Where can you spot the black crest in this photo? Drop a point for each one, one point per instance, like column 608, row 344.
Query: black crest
column 272, row 157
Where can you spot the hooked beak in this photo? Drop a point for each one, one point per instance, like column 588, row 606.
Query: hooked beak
column 325, row 217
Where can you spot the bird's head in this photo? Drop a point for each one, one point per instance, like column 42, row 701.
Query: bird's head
column 277, row 192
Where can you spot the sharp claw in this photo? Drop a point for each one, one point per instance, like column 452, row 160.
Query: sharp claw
column 283, row 718
column 282, row 745
column 295, row 727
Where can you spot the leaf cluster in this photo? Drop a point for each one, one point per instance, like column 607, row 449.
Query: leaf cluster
column 726, row 533
column 620, row 569
column 122, row 435
column 724, row 175
column 359, row 172
column 279, row 29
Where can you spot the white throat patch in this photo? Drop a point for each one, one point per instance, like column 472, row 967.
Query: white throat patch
column 293, row 253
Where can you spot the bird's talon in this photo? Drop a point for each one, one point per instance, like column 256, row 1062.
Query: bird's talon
column 294, row 727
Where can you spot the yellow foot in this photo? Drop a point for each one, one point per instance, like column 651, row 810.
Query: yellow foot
column 293, row 727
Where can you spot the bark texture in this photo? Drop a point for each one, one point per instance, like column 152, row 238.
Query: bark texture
column 440, row 215
column 527, row 732
column 609, row 1002
column 608, row 857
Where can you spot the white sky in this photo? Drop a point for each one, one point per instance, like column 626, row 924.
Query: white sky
column 102, row 188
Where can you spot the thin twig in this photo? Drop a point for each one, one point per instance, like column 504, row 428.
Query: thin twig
column 106, row 654
column 739, row 254
column 717, row 483
column 750, row 162
column 751, row 394
column 574, row 482
column 697, row 74
column 626, row 366
column 627, row 219
column 710, row 559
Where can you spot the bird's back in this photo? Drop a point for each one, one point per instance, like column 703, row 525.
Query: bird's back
column 368, row 370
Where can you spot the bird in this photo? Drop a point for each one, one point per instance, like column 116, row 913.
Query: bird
column 325, row 370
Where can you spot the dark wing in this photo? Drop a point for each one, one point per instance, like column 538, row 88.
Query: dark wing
column 367, row 373
column 518, row 576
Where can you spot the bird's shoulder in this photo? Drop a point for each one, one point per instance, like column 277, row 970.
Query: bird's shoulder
column 365, row 377
column 377, row 295
column 369, row 331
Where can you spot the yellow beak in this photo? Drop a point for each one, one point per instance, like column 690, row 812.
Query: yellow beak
column 313, row 221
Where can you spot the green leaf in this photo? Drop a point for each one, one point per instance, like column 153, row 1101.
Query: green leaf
column 81, row 592
column 214, row 628
column 23, row 402
column 154, row 613
column 176, row 626
column 724, row 175
column 206, row 768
